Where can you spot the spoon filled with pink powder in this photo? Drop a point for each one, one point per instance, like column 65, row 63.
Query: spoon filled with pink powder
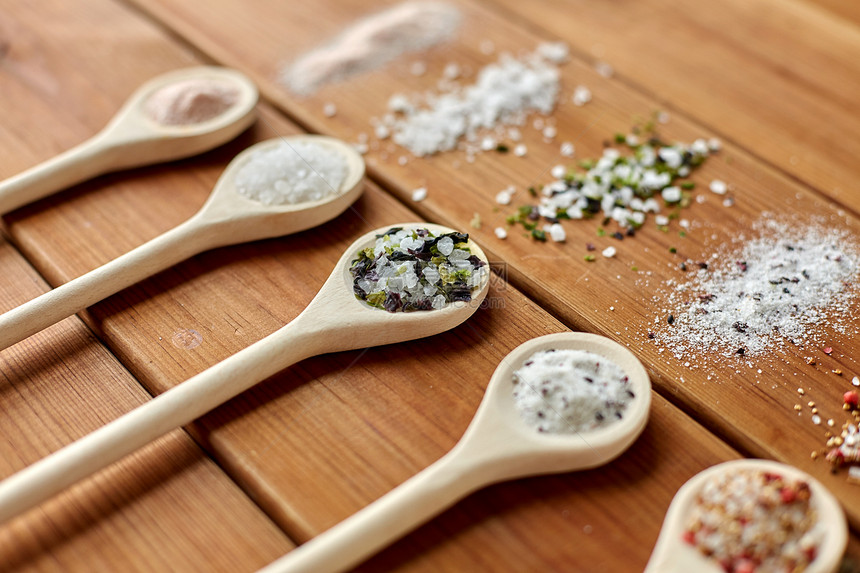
column 177, row 114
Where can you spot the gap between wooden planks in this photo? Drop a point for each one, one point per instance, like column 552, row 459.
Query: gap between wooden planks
column 395, row 413
column 582, row 294
column 167, row 507
column 778, row 78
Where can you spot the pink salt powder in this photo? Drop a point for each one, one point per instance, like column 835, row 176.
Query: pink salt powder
column 191, row 101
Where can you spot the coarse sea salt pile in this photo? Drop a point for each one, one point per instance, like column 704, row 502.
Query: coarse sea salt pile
column 372, row 42
column 291, row 173
column 623, row 186
column 790, row 285
column 504, row 94
column 570, row 391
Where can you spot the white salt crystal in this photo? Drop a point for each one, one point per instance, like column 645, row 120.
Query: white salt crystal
column 451, row 71
column 520, row 150
column 609, row 252
column 503, row 197
column 567, row 149
column 556, row 233
column 715, row 144
column 291, row 173
column 671, row 194
column 556, row 52
column 855, row 381
column 445, row 246
column 419, row 194
column 581, row 96
column 329, row 110
column 718, row 187
column 549, row 132
column 661, row 220
column 558, row 171
column 501, row 233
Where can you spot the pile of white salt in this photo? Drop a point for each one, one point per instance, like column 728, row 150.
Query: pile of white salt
column 791, row 284
column 291, row 173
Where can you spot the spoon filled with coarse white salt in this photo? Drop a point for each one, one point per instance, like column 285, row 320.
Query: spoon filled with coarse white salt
column 177, row 114
column 386, row 288
column 558, row 403
column 746, row 516
column 273, row 188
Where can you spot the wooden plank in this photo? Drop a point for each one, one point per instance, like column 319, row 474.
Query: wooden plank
column 322, row 439
column 326, row 437
column 58, row 386
column 581, row 294
column 849, row 11
column 776, row 78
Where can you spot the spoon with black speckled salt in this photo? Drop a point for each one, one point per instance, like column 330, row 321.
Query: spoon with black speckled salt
column 498, row 445
column 335, row 320
column 184, row 123
column 228, row 217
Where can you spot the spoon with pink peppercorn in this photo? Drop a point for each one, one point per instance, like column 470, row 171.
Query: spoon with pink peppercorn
column 177, row 114
column 274, row 188
column 500, row 444
column 745, row 516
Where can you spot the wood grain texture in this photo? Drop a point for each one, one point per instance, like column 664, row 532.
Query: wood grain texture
column 326, row 437
column 578, row 292
column 320, row 440
column 60, row 385
column 777, row 78
column 848, row 11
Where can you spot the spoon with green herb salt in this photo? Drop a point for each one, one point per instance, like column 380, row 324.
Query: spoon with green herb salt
column 751, row 515
column 501, row 444
column 273, row 188
column 337, row 319
column 177, row 114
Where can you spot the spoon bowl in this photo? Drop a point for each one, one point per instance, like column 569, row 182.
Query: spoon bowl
column 227, row 218
column 335, row 320
column 672, row 555
column 133, row 139
column 497, row 446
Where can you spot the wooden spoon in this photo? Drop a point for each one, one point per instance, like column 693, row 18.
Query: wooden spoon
column 133, row 139
column 335, row 320
column 673, row 555
column 497, row 446
column 227, row 218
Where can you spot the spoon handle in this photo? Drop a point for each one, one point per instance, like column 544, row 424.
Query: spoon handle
column 176, row 245
column 174, row 408
column 395, row 514
column 86, row 160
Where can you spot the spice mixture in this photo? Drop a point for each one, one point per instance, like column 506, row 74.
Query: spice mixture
column 784, row 286
column 503, row 95
column 751, row 521
column 570, row 391
column 191, row 101
column 624, row 187
column 373, row 42
column 409, row 270
column 291, row 173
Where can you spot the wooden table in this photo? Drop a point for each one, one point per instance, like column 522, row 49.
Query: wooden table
column 776, row 80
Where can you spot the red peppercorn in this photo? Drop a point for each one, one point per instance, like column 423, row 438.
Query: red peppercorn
column 851, row 398
column 744, row 567
column 787, row 494
column 689, row 537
